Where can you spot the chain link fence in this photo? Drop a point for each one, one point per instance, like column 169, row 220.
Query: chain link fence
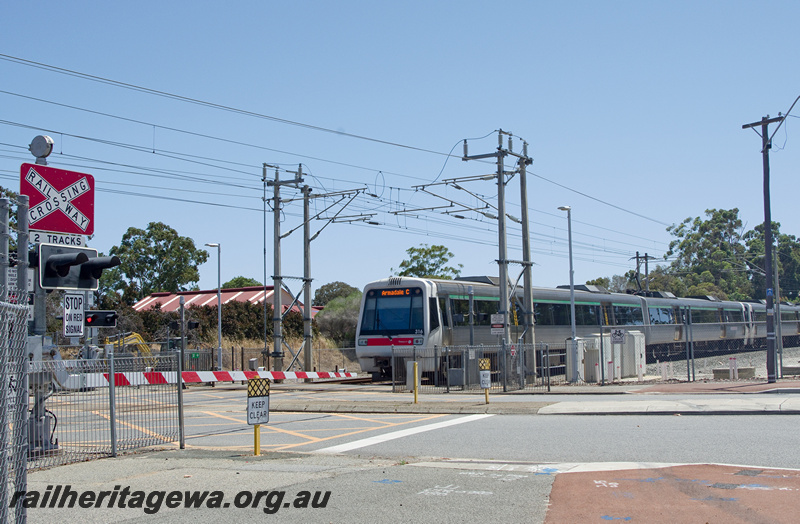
column 79, row 413
column 450, row 369
column 324, row 359
column 13, row 406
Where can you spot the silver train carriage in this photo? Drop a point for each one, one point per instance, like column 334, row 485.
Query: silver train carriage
column 405, row 311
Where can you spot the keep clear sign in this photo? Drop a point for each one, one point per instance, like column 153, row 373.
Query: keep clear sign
column 73, row 314
column 257, row 401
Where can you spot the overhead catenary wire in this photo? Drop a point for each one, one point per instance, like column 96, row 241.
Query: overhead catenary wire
column 184, row 157
column 284, row 121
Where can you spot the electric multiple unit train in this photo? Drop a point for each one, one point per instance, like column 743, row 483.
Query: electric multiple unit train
column 404, row 311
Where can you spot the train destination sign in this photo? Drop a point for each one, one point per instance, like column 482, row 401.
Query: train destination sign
column 60, row 201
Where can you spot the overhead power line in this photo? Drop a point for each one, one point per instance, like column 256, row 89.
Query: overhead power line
column 204, row 103
column 254, row 114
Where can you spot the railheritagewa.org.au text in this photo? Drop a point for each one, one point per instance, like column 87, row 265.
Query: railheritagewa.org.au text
column 152, row 501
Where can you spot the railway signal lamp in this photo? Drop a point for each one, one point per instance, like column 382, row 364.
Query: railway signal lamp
column 69, row 267
column 101, row 319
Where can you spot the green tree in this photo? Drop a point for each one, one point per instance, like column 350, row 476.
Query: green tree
column 787, row 253
column 332, row 290
column 604, row 282
column 241, row 282
column 616, row 283
column 339, row 319
column 155, row 259
column 428, row 262
column 714, row 246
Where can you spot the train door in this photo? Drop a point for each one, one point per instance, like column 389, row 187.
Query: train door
column 676, row 314
column 447, row 324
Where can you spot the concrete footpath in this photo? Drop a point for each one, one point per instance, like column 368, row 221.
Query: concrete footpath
column 164, row 485
column 680, row 398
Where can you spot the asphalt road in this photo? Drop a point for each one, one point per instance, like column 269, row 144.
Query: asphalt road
column 400, row 467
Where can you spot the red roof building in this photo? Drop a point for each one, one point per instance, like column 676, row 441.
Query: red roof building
column 254, row 295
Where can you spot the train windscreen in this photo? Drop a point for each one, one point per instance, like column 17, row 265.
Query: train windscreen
column 392, row 312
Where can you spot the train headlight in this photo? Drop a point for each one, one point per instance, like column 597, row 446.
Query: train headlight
column 362, row 341
column 418, row 341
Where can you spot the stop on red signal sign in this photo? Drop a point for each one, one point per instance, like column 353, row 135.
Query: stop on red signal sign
column 59, row 200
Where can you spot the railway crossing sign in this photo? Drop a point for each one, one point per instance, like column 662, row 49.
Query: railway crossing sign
column 60, row 201
column 257, row 401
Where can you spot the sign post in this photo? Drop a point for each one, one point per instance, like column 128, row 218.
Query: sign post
column 486, row 376
column 257, row 408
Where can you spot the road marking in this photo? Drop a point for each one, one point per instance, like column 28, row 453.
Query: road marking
column 398, row 434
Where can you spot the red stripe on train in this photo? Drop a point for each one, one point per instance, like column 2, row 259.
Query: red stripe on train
column 390, row 342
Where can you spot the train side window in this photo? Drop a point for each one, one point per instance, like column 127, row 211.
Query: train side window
column 542, row 314
column 547, row 314
column 661, row 315
column 734, row 315
column 705, row 315
column 484, row 309
column 586, row 315
column 628, row 316
column 433, row 314
column 460, row 312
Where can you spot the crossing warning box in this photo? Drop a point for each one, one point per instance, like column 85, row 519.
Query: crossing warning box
column 257, row 401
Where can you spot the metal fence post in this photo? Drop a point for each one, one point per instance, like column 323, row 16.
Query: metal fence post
column 447, row 368
column 394, row 370
column 504, row 363
column 181, row 349
column 436, row 366
column 112, row 411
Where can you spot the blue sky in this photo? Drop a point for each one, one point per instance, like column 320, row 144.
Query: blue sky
column 632, row 105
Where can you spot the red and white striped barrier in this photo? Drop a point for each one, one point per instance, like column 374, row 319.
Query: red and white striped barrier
column 99, row 380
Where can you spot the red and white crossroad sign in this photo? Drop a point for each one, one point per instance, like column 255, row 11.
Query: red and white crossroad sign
column 60, row 201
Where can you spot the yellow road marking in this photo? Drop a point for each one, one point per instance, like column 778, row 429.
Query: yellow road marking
column 137, row 428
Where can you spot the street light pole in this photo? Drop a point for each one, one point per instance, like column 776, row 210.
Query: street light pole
column 219, row 304
column 574, row 348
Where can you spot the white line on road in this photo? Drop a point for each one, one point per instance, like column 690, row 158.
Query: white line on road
column 398, row 434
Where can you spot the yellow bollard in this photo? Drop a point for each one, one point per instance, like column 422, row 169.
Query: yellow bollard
column 257, row 440
column 486, row 391
column 416, row 383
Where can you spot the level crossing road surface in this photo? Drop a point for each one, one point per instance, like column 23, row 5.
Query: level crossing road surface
column 456, row 466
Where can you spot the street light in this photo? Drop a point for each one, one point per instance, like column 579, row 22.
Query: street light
column 219, row 304
column 574, row 349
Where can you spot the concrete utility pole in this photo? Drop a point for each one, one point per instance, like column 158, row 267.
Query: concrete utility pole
column 527, row 279
column 766, row 144
column 502, row 261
